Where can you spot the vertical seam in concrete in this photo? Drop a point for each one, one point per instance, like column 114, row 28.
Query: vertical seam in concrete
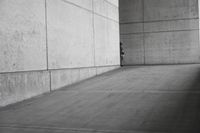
column 144, row 54
column 93, row 25
column 47, row 52
column 199, row 21
column 119, row 37
column 198, row 30
column 46, row 28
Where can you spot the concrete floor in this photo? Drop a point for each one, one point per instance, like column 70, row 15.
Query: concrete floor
column 143, row 99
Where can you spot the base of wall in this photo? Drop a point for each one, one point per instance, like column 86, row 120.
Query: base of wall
column 16, row 87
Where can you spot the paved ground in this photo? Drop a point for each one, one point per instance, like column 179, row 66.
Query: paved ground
column 151, row 99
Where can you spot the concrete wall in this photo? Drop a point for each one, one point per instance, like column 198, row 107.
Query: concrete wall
column 160, row 31
column 49, row 44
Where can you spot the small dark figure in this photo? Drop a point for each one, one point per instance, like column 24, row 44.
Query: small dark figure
column 121, row 54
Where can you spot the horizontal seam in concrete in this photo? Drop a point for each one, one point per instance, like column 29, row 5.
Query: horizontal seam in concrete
column 159, row 31
column 91, row 11
column 68, row 2
column 44, row 70
column 137, row 33
column 83, row 67
column 164, row 64
column 137, row 91
column 155, row 21
column 28, row 71
column 106, row 17
column 68, row 129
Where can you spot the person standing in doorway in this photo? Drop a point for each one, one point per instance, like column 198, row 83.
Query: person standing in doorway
column 121, row 54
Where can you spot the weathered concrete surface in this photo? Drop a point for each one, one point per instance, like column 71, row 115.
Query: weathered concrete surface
column 106, row 9
column 114, row 2
column 131, row 28
column 15, row 87
column 131, row 11
column 170, row 30
column 134, row 49
column 156, row 99
column 87, row 4
column 65, row 43
column 101, row 70
column 106, row 42
column 172, row 47
column 170, row 9
column 22, row 35
column 70, row 36
column 63, row 78
column 60, row 33
column 176, row 25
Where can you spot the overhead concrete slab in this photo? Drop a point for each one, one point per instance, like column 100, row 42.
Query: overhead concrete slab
column 70, row 35
column 15, row 87
column 106, row 42
column 170, row 9
column 82, row 3
column 22, row 35
column 131, row 11
column 190, row 24
column 172, row 47
column 133, row 46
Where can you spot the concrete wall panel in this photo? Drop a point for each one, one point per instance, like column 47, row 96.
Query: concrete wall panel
column 63, row 78
column 22, row 35
column 16, row 87
column 70, row 36
column 106, row 42
column 113, row 12
column 133, row 48
column 170, row 9
column 170, row 28
column 86, row 73
column 172, row 47
column 190, row 24
column 131, row 11
column 101, row 70
column 131, row 28
column 60, row 32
